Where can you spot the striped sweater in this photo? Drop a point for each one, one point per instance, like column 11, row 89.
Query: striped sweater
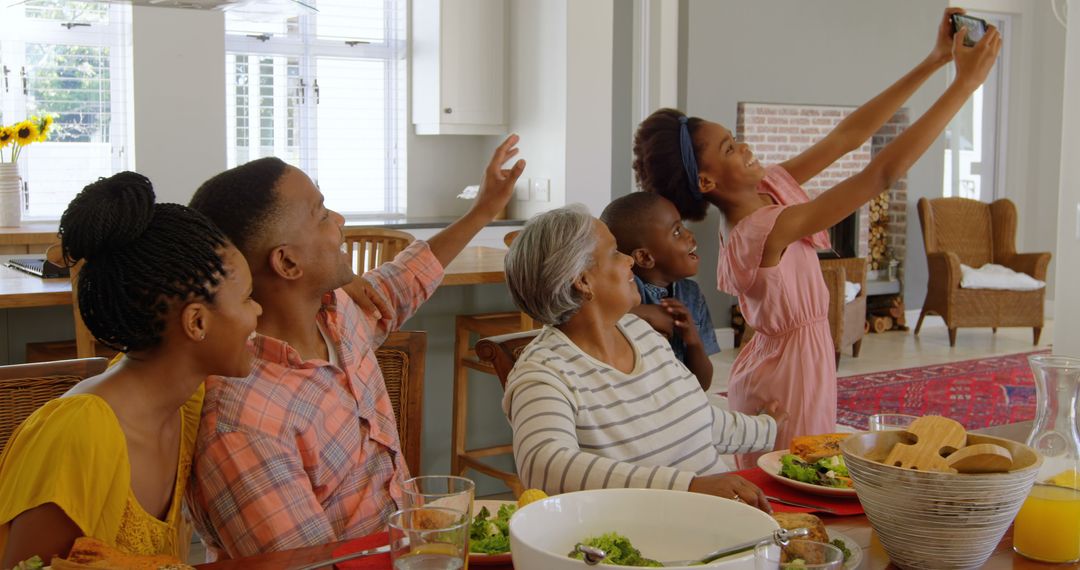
column 581, row 424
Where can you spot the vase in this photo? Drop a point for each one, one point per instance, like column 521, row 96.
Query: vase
column 10, row 194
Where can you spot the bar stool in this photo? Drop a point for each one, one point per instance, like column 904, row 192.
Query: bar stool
column 483, row 325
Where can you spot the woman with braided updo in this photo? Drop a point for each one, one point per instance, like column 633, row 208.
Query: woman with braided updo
column 110, row 459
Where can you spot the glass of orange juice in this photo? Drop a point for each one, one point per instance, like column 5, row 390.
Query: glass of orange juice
column 1047, row 528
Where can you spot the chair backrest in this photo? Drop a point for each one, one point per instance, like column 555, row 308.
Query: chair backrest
column 26, row 387
column 958, row 225
column 401, row 359
column 509, row 237
column 85, row 343
column 372, row 247
column 503, row 351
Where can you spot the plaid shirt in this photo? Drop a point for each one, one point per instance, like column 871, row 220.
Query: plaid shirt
column 301, row 453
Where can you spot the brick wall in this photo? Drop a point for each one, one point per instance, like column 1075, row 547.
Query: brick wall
column 777, row 132
column 898, row 193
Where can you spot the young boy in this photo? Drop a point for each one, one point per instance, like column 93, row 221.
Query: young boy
column 648, row 228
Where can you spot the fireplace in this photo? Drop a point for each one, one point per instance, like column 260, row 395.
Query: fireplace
column 845, row 239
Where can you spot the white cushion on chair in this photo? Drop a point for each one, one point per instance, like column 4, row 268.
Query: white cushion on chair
column 992, row 276
column 851, row 290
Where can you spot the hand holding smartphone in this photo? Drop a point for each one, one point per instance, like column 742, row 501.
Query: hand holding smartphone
column 976, row 28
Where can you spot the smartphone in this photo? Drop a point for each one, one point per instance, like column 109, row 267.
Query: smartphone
column 976, row 28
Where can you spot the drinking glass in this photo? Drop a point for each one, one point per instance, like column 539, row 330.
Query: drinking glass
column 428, row 538
column 445, row 491
column 889, row 422
column 813, row 556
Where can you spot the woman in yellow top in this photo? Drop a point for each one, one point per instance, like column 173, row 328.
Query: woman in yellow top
column 110, row 458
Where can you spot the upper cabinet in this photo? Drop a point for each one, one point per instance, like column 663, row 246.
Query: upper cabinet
column 459, row 67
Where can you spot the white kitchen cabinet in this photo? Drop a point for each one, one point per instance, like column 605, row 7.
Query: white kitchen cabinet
column 459, row 67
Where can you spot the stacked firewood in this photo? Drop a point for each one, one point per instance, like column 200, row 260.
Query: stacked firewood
column 879, row 232
column 885, row 313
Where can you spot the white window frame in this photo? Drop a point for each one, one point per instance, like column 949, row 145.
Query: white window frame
column 115, row 35
column 307, row 48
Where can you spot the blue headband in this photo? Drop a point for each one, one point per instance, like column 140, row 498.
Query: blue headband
column 689, row 161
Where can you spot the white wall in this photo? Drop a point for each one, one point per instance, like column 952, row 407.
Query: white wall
column 589, row 74
column 1067, row 302
column 179, row 97
column 787, row 51
column 1035, row 47
column 537, row 86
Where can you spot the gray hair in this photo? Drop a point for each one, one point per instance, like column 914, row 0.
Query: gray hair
column 545, row 260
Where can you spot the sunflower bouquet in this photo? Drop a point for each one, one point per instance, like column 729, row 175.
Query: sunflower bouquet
column 18, row 136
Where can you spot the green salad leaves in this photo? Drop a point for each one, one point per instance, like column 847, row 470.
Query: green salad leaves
column 827, row 472
column 491, row 536
column 619, row 551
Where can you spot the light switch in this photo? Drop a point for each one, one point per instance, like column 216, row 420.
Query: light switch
column 541, row 190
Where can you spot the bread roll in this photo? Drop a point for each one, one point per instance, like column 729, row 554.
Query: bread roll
column 818, row 533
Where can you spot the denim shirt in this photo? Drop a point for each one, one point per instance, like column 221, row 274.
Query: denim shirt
column 688, row 293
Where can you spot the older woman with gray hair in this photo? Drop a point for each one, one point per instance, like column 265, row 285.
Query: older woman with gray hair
column 598, row 399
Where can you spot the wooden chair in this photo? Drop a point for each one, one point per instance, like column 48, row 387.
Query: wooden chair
column 84, row 345
column 960, row 230
column 847, row 321
column 501, row 352
column 26, row 387
column 462, row 457
column 401, row 359
column 372, row 247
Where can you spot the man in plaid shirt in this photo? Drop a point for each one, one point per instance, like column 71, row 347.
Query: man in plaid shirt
column 304, row 450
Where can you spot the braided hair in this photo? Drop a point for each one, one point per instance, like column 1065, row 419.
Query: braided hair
column 242, row 202
column 658, row 163
column 139, row 259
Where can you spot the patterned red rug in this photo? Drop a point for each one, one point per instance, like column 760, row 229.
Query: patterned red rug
column 977, row 393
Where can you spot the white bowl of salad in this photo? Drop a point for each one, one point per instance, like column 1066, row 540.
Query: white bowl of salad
column 659, row 525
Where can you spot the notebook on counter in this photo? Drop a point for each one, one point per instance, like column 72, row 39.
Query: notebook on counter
column 39, row 266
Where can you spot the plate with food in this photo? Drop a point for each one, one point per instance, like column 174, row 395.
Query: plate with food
column 812, row 464
column 818, row 532
column 489, row 534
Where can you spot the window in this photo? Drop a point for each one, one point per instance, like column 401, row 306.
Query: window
column 324, row 91
column 974, row 139
column 71, row 60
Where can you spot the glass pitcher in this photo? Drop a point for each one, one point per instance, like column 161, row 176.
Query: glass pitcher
column 1048, row 525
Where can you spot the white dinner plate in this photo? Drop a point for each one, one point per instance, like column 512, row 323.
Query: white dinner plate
column 490, row 559
column 770, row 464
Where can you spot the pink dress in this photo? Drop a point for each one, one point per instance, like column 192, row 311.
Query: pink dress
column 790, row 357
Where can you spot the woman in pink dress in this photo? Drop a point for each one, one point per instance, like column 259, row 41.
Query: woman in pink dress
column 768, row 259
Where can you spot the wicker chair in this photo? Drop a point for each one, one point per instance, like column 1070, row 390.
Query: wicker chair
column 372, row 247
column 401, row 359
column 26, row 387
column 847, row 321
column 959, row 230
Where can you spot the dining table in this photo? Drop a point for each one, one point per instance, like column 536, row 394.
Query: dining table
column 856, row 527
column 475, row 265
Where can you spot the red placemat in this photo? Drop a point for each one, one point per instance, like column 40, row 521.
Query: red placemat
column 839, row 506
column 376, row 562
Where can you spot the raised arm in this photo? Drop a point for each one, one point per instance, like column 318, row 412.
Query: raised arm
column 867, row 119
column 496, row 188
column 828, row 209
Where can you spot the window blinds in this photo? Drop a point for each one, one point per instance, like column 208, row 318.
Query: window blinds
column 324, row 91
column 71, row 60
